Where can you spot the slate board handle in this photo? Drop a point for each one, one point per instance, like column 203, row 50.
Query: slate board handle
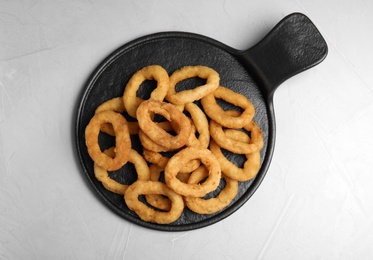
column 292, row 46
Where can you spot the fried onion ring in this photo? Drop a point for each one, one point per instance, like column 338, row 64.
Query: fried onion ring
column 116, row 105
column 149, row 144
column 251, row 165
column 255, row 144
column 180, row 159
column 156, row 133
column 216, row 113
column 141, row 167
column 201, row 124
column 190, row 95
column 211, row 205
column 148, row 214
column 122, row 140
column 161, row 161
column 156, row 200
column 159, row 201
column 131, row 101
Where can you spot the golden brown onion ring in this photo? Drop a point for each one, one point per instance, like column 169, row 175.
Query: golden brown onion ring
column 130, row 99
column 255, row 144
column 155, row 132
column 141, row 167
column 161, row 161
column 116, row 105
column 216, row 113
column 212, row 205
column 180, row 159
column 251, row 165
column 122, row 140
column 148, row 214
column 201, row 124
column 156, row 200
column 190, row 95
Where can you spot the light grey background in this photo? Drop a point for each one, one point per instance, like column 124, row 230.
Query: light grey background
column 316, row 201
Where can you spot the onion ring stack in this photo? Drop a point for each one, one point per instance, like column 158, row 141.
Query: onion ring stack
column 183, row 135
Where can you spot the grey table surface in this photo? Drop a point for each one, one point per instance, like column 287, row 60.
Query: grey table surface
column 316, row 201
